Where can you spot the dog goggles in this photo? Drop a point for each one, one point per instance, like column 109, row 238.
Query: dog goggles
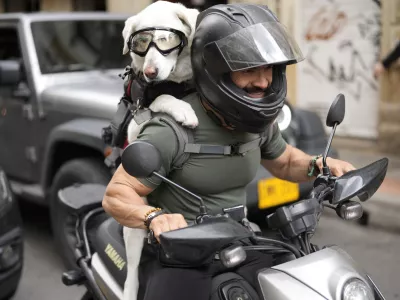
column 164, row 39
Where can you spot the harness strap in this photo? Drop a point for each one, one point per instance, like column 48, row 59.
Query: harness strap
column 142, row 115
column 207, row 149
column 237, row 149
column 184, row 136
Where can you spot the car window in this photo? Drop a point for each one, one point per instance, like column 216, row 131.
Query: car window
column 71, row 46
column 9, row 44
column 10, row 49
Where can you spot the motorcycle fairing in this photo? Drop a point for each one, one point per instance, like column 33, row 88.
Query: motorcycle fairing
column 110, row 246
column 324, row 272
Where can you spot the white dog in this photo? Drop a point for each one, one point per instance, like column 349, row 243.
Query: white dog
column 174, row 66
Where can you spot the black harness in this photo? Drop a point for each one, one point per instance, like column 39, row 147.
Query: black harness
column 137, row 94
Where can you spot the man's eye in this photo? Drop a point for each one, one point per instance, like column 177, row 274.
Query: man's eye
column 248, row 71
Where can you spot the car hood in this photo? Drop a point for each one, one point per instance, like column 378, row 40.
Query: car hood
column 97, row 97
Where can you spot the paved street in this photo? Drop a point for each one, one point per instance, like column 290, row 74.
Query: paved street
column 41, row 279
column 376, row 250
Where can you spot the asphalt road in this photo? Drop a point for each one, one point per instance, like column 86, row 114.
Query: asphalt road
column 376, row 250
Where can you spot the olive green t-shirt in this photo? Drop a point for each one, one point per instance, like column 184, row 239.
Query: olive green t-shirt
column 220, row 180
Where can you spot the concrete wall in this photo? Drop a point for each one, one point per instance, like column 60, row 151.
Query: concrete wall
column 127, row 6
column 56, row 5
column 389, row 108
column 340, row 41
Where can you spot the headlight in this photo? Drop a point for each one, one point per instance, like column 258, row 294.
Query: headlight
column 357, row 290
column 284, row 118
column 5, row 194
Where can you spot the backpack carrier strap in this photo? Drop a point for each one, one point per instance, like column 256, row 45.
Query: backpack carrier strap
column 186, row 145
column 184, row 136
column 236, row 149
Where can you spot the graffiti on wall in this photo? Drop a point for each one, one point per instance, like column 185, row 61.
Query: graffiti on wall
column 340, row 39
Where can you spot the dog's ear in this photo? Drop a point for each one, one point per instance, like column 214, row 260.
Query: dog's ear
column 188, row 17
column 130, row 25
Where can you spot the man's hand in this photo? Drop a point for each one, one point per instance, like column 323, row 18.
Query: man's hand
column 337, row 167
column 166, row 222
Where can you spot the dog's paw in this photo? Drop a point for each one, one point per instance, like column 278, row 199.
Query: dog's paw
column 190, row 118
column 180, row 110
column 133, row 130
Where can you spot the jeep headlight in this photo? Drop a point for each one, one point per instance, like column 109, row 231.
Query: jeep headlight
column 5, row 194
column 356, row 289
column 284, row 118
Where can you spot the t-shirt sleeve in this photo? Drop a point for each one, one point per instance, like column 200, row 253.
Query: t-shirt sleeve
column 162, row 136
column 275, row 144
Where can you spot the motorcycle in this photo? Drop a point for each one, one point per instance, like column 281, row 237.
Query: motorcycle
column 302, row 270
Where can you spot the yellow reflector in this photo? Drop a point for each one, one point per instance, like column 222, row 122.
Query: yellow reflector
column 273, row 192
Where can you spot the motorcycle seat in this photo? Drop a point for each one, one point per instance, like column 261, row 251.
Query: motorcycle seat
column 81, row 198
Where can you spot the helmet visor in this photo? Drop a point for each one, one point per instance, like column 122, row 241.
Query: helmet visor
column 257, row 45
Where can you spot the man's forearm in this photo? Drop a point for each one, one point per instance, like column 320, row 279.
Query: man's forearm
column 123, row 200
column 297, row 169
column 129, row 212
column 292, row 165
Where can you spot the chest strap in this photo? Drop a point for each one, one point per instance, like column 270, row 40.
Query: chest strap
column 236, row 149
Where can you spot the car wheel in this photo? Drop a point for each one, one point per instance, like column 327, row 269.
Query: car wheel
column 82, row 170
column 87, row 296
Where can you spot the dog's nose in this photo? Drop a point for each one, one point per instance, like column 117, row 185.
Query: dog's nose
column 151, row 72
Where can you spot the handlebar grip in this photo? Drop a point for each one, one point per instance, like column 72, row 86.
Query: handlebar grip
column 318, row 189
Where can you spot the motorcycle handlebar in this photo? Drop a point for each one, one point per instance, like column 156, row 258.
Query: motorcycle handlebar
column 315, row 193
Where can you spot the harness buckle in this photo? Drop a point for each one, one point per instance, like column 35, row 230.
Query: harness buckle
column 235, row 149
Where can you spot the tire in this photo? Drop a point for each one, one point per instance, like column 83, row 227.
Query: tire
column 87, row 296
column 81, row 170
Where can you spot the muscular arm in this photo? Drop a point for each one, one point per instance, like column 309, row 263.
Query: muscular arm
column 123, row 201
column 291, row 165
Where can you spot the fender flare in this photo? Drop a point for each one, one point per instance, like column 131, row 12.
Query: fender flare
column 85, row 132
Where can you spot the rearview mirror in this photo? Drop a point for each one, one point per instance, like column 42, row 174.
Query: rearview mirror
column 363, row 182
column 10, row 72
column 336, row 111
column 333, row 119
column 140, row 159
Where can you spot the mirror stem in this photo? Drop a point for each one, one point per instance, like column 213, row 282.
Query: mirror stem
column 325, row 169
column 203, row 209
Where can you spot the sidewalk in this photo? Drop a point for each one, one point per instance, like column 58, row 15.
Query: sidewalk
column 384, row 206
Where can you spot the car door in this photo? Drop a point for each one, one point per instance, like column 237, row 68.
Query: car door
column 17, row 156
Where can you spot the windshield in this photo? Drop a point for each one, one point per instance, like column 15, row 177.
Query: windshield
column 74, row 45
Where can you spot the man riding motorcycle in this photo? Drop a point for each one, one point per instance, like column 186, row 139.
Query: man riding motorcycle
column 239, row 58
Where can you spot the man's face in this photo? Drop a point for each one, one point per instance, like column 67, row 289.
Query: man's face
column 254, row 81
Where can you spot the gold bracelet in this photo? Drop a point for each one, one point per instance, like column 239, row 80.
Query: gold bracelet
column 150, row 211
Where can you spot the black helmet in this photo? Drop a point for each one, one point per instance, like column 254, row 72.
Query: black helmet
column 235, row 37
